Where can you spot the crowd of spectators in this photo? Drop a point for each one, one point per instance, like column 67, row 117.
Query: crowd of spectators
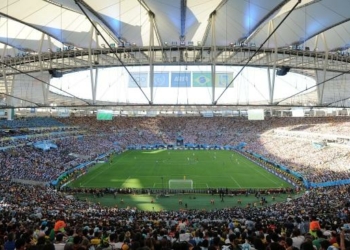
column 267, row 138
column 42, row 218
column 317, row 165
column 30, row 163
column 39, row 217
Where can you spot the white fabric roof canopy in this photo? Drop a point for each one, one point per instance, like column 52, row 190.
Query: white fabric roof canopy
column 22, row 23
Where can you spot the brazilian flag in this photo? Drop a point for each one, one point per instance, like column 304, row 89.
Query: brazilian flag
column 201, row 79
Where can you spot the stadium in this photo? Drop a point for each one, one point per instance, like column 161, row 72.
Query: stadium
column 185, row 124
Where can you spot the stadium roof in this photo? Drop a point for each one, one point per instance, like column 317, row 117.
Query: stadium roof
column 44, row 38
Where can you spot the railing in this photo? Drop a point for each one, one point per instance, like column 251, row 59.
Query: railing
column 187, row 55
column 30, row 182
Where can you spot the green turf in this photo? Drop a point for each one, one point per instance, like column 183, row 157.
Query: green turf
column 154, row 168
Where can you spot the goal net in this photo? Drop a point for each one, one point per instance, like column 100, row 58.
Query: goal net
column 180, row 184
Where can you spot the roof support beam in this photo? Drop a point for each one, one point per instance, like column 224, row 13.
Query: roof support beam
column 209, row 25
column 113, row 34
column 213, row 56
column 207, row 29
column 153, row 21
column 183, row 28
column 271, row 82
column 251, row 57
column 93, row 81
column 110, row 30
column 6, row 84
column 151, row 58
column 44, row 87
column 4, row 51
column 40, row 51
column 183, row 18
column 11, row 100
column 114, row 51
column 156, row 29
column 320, row 89
column 154, row 26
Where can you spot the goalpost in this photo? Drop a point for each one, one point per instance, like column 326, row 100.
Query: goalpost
column 180, row 184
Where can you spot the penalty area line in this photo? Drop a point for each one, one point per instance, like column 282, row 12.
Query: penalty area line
column 236, row 181
column 94, row 176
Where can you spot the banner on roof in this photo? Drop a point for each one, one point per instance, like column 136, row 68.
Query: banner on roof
column 141, row 79
column 298, row 112
column 200, row 79
column 256, row 114
column 180, row 79
column 222, row 80
column 161, row 80
column 63, row 112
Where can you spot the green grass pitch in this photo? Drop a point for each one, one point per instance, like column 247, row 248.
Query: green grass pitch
column 154, row 169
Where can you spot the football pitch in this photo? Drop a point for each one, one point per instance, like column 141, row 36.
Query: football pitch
column 154, row 168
